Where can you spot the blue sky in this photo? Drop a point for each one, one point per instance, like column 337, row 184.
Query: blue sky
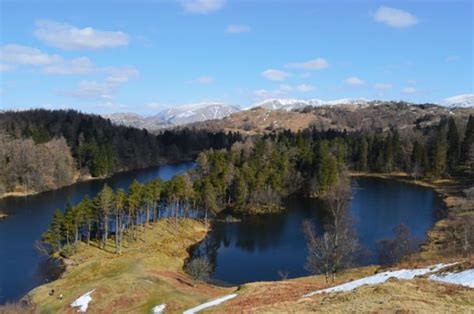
column 143, row 56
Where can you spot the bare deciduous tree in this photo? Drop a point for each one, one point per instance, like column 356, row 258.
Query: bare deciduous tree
column 394, row 250
column 335, row 249
column 199, row 269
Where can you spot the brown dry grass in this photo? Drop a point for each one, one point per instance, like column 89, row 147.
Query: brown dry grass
column 147, row 274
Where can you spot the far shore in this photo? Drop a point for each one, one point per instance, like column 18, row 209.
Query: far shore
column 448, row 190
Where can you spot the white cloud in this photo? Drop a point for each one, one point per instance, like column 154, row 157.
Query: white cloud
column 354, row 81
column 411, row 82
column 409, row 90
column 286, row 87
column 395, row 17
column 203, row 79
column 315, row 64
column 120, row 75
column 24, row 55
column 6, row 67
column 80, row 65
column 263, row 93
column 49, row 64
column 102, row 90
column 452, row 58
column 275, row 75
column 202, row 6
column 65, row 36
column 283, row 90
column 304, row 88
column 236, row 29
column 382, row 86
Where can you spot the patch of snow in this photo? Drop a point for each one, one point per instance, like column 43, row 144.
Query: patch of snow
column 159, row 309
column 379, row 278
column 463, row 278
column 460, row 101
column 210, row 304
column 289, row 104
column 83, row 301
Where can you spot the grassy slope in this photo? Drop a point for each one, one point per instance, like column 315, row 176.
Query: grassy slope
column 145, row 275
column 419, row 295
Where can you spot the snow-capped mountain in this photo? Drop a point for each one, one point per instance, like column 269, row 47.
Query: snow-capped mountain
column 292, row 104
column 460, row 101
column 196, row 112
column 174, row 116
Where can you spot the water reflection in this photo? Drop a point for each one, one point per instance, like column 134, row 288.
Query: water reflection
column 259, row 247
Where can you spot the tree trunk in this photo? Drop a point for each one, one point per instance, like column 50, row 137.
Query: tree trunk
column 117, row 234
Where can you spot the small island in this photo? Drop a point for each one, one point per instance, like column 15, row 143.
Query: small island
column 3, row 215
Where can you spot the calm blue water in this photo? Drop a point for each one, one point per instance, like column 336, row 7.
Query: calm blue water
column 21, row 266
column 257, row 248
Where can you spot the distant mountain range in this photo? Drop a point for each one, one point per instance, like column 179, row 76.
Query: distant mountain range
column 459, row 101
column 294, row 104
column 175, row 116
column 199, row 112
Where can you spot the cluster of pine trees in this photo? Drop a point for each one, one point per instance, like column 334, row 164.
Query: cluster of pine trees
column 439, row 152
column 125, row 215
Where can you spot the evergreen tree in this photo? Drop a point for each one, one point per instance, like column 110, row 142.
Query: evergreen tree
column 440, row 151
column 454, row 149
column 104, row 202
column 54, row 235
column 467, row 149
column 119, row 204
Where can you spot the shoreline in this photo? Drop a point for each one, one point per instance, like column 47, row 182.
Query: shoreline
column 87, row 178
column 450, row 192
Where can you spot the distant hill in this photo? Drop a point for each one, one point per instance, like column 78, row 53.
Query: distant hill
column 224, row 116
column 370, row 116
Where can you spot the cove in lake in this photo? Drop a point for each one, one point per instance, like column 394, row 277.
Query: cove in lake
column 21, row 266
column 258, row 248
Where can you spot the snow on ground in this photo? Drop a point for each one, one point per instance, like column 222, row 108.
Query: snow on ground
column 463, row 278
column 83, row 301
column 159, row 308
column 210, row 304
column 381, row 278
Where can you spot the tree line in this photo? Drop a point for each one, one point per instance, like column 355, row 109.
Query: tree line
column 98, row 147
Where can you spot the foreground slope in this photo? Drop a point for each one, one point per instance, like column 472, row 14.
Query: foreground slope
column 147, row 274
column 415, row 295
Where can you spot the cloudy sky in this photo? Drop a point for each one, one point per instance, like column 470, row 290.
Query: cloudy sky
column 143, row 56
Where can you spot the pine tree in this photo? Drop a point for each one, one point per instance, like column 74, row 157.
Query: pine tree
column 88, row 215
column 454, row 149
column 54, row 235
column 119, row 204
column 133, row 203
column 440, row 152
column 467, row 148
column 104, row 203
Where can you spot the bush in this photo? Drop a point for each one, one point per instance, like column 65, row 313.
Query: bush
column 199, row 269
column 67, row 251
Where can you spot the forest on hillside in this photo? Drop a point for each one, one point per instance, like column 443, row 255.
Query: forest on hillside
column 42, row 149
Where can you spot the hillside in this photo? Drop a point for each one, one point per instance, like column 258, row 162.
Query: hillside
column 147, row 274
column 49, row 149
column 350, row 117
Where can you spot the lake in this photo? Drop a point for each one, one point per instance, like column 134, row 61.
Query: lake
column 256, row 248
column 264, row 247
column 21, row 266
